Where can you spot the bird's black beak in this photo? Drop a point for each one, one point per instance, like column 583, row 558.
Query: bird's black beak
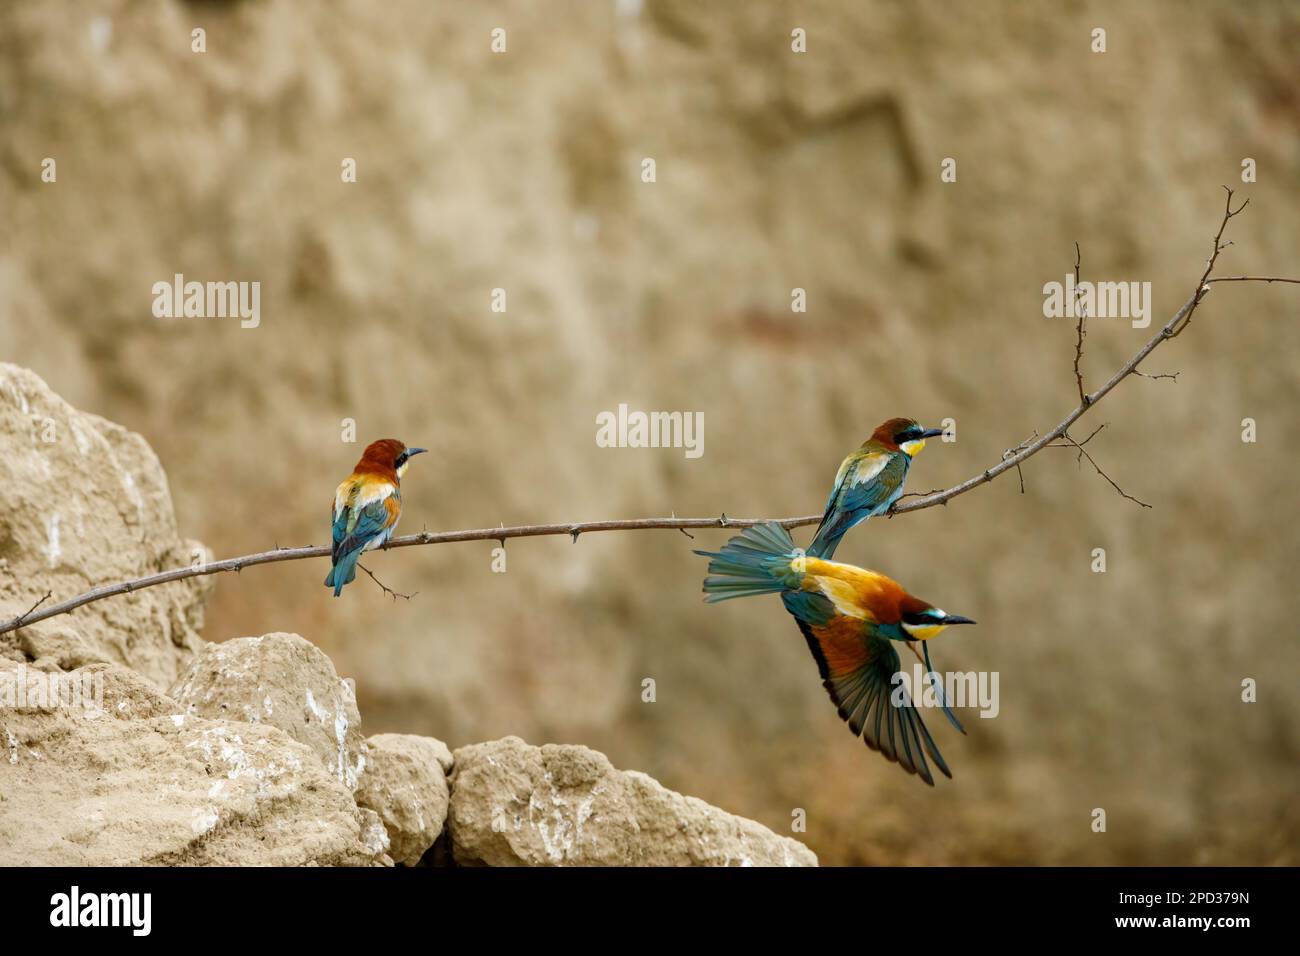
column 932, row 433
column 411, row 452
column 957, row 619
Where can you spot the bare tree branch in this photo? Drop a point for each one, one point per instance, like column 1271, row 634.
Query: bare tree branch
column 1078, row 346
column 1251, row 278
column 1056, row 437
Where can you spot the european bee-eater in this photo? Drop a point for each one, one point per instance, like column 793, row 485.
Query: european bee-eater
column 850, row 618
column 367, row 506
column 869, row 481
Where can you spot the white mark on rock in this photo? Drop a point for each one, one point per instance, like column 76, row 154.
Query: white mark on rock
column 317, row 711
column 83, row 443
column 132, row 492
column 203, row 820
column 52, row 550
column 375, row 839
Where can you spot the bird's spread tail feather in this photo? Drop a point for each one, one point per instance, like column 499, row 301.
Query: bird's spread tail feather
column 344, row 572
column 759, row 560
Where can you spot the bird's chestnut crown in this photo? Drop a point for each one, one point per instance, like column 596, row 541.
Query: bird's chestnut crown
column 905, row 434
column 387, row 453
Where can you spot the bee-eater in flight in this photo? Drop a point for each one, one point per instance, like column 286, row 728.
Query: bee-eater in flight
column 367, row 506
column 869, row 481
column 851, row 618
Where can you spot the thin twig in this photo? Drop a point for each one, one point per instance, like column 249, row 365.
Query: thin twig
column 1011, row 451
column 1083, row 452
column 387, row 590
column 21, row 619
column 1078, row 345
column 1169, row 330
column 1203, row 287
column 1092, row 434
column 1251, row 278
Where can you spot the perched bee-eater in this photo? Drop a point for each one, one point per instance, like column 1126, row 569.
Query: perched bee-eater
column 869, row 481
column 367, row 506
column 850, row 618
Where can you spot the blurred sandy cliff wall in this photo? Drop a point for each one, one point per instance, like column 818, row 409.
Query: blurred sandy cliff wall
column 522, row 171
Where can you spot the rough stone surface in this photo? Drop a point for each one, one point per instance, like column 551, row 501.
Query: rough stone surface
column 139, row 782
column 405, row 783
column 84, row 502
column 557, row 805
column 286, row 681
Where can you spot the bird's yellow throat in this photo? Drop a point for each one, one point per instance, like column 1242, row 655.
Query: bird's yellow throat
column 923, row 632
column 913, row 447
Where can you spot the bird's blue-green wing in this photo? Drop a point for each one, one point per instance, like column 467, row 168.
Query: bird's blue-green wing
column 338, row 530
column 871, row 484
column 370, row 521
column 867, row 484
column 809, row 607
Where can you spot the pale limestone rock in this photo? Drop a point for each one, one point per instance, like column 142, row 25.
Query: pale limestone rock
column 406, row 784
column 286, row 681
column 558, row 805
column 136, row 781
column 84, row 502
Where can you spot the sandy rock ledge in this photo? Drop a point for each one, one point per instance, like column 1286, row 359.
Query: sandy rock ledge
column 137, row 781
column 557, row 805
